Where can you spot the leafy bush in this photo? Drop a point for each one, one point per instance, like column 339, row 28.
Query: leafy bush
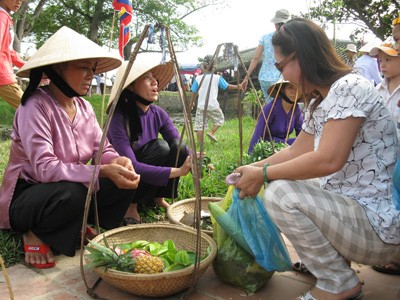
column 252, row 95
column 262, row 150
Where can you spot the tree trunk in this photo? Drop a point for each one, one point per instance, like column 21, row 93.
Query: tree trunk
column 22, row 25
column 95, row 22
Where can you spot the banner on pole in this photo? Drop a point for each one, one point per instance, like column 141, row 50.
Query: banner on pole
column 125, row 13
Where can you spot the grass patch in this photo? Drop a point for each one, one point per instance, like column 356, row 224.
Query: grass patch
column 6, row 113
column 11, row 249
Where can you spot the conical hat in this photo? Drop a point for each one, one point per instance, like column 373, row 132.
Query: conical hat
column 162, row 72
column 277, row 86
column 368, row 46
column 68, row 45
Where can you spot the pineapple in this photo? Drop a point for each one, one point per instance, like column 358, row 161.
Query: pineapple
column 137, row 261
column 145, row 263
column 110, row 258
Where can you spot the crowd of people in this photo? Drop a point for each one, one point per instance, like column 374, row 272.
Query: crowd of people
column 333, row 192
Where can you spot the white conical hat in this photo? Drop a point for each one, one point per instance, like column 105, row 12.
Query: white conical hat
column 162, row 72
column 368, row 46
column 277, row 86
column 68, row 45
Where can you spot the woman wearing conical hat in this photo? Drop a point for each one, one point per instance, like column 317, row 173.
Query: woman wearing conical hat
column 55, row 136
column 135, row 131
column 278, row 117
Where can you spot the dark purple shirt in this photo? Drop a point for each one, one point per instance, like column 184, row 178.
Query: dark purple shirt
column 154, row 121
column 278, row 124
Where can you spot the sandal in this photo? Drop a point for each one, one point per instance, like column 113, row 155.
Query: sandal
column 90, row 234
column 43, row 249
column 300, row 267
column 213, row 138
column 388, row 269
column 308, row 296
column 130, row 221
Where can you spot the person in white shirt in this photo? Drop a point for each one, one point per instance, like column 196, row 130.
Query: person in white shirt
column 367, row 65
column 389, row 88
column 207, row 92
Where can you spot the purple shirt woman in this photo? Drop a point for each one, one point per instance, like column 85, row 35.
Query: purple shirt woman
column 278, row 117
column 134, row 132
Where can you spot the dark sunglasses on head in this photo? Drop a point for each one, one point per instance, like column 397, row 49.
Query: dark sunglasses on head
column 281, row 65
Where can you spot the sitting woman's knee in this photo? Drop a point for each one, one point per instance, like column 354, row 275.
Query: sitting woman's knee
column 174, row 146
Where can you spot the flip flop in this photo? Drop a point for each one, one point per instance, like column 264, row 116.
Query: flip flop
column 386, row 270
column 308, row 296
column 130, row 221
column 213, row 138
column 43, row 249
column 90, row 234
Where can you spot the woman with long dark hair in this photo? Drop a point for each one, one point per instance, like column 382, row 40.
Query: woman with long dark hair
column 348, row 147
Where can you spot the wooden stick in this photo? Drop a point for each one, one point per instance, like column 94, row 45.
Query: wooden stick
column 101, row 147
column 3, row 268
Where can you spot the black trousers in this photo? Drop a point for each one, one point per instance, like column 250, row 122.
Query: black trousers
column 159, row 153
column 54, row 211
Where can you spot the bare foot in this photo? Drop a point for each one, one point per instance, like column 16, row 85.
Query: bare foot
column 34, row 257
column 132, row 212
column 323, row 295
column 161, row 202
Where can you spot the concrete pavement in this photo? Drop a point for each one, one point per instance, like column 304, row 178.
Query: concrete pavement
column 65, row 282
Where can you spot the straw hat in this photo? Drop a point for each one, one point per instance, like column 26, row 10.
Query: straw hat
column 351, row 48
column 273, row 89
column 384, row 48
column 281, row 16
column 68, row 45
column 163, row 73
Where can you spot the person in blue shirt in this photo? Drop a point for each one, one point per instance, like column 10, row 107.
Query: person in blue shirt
column 268, row 73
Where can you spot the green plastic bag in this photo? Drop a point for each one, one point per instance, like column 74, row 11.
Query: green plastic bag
column 233, row 264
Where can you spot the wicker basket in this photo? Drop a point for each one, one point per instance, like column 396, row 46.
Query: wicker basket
column 160, row 284
column 179, row 209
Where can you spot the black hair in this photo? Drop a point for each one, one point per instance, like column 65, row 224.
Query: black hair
column 319, row 62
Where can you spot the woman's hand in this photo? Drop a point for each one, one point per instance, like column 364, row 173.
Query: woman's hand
column 250, row 182
column 185, row 168
column 123, row 176
column 123, row 161
column 244, row 84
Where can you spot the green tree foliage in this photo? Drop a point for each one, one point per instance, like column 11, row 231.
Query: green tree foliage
column 372, row 15
column 93, row 18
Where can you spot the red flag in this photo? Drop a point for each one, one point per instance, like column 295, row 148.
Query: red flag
column 125, row 17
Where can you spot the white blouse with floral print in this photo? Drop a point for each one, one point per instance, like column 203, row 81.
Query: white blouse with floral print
column 366, row 175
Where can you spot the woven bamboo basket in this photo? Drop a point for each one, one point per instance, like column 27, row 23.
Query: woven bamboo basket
column 180, row 209
column 160, row 284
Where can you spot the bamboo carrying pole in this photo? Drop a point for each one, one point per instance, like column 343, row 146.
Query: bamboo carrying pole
column 98, row 157
column 188, row 125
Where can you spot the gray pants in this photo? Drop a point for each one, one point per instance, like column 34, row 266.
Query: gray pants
column 326, row 228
